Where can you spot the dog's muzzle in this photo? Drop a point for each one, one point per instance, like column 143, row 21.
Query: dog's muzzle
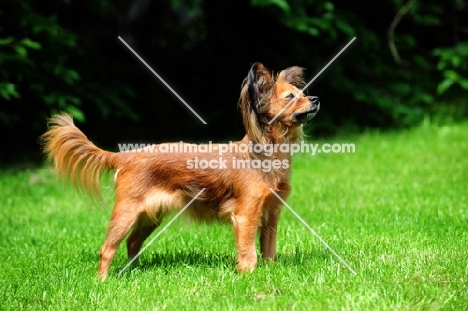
column 309, row 114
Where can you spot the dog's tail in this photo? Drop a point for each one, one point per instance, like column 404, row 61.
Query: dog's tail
column 75, row 157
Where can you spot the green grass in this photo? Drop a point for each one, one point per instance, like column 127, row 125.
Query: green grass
column 396, row 211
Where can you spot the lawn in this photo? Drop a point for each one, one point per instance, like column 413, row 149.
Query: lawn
column 395, row 211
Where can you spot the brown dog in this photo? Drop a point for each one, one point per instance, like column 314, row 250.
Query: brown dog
column 150, row 184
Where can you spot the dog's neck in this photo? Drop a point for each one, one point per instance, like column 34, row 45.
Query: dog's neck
column 276, row 135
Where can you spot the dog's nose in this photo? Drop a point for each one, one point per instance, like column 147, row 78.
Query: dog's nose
column 315, row 103
column 314, row 100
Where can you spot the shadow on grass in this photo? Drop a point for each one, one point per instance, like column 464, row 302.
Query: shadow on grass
column 198, row 259
column 187, row 258
column 304, row 257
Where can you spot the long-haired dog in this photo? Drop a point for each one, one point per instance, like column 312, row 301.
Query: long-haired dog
column 151, row 184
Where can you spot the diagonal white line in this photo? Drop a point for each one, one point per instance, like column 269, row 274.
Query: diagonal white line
column 313, row 79
column 160, row 232
column 162, row 80
column 313, row 232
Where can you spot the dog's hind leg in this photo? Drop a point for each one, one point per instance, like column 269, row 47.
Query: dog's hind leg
column 141, row 231
column 124, row 216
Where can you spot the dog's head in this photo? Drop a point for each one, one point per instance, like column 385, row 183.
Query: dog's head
column 267, row 99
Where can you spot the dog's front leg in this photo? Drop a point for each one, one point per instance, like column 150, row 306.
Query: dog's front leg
column 245, row 229
column 268, row 235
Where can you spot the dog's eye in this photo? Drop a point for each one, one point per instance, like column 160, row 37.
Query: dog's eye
column 290, row 96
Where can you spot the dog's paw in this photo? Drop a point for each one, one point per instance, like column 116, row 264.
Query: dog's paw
column 245, row 266
column 101, row 276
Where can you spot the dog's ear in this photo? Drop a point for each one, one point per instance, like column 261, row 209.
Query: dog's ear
column 259, row 81
column 254, row 102
column 292, row 75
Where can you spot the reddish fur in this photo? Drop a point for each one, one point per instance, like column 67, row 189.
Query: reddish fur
column 150, row 184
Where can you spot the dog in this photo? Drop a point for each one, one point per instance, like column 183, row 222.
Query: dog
column 148, row 185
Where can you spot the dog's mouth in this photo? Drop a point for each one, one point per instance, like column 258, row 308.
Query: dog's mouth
column 303, row 117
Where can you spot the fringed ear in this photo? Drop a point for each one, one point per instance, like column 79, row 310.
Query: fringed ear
column 260, row 82
column 292, row 75
column 256, row 87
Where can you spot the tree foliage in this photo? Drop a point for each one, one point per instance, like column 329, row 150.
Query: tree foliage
column 407, row 64
column 43, row 58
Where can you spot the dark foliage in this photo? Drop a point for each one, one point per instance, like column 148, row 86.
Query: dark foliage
column 407, row 65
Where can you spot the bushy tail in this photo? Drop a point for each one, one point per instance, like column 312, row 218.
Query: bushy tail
column 76, row 158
